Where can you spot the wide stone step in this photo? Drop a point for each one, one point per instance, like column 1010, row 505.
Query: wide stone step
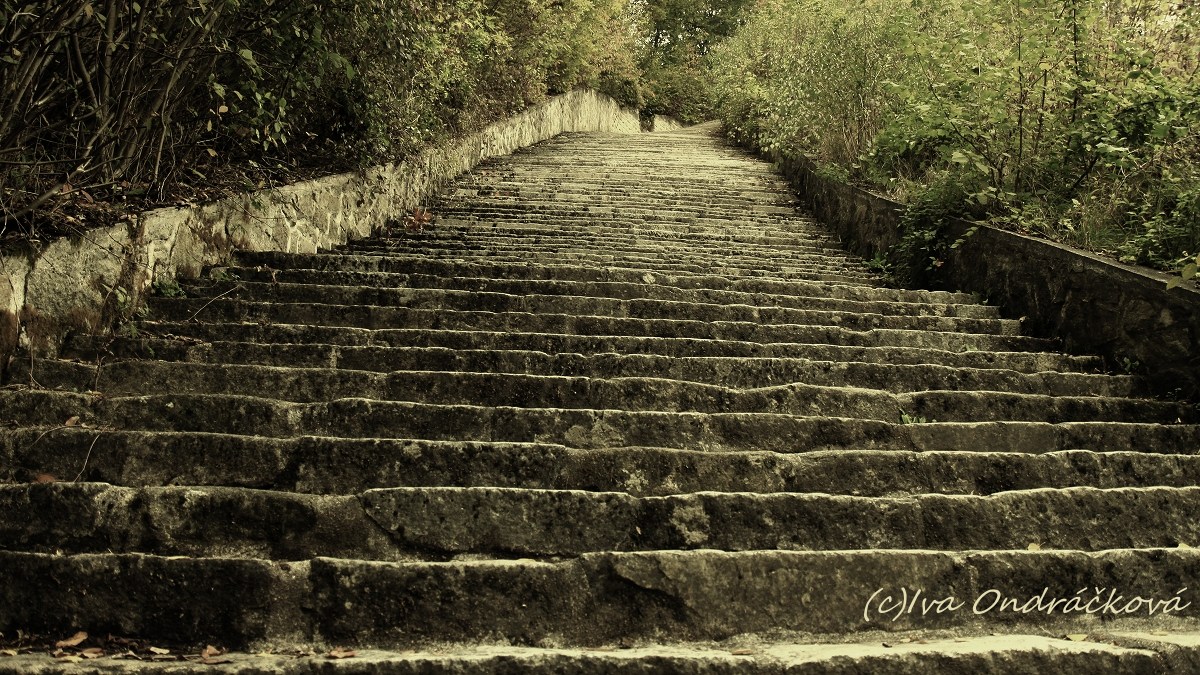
column 370, row 265
column 378, row 378
column 435, row 524
column 655, row 265
column 585, row 328
column 438, row 347
column 593, row 428
column 441, row 232
column 597, row 598
column 130, row 378
column 829, row 298
column 1005, row 461
column 536, row 314
column 855, row 316
column 724, row 239
column 631, row 251
column 916, row 654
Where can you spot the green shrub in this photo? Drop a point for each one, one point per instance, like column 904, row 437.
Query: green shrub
column 1077, row 121
column 105, row 98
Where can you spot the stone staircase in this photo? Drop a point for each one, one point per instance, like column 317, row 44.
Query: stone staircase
column 622, row 409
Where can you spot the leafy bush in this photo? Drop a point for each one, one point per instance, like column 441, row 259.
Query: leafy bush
column 1078, row 121
column 105, row 99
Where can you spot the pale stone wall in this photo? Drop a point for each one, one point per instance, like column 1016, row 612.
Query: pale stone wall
column 82, row 283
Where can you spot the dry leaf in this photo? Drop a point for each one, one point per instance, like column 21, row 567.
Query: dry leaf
column 159, row 650
column 1077, row 637
column 45, row 478
column 216, row 660
column 92, row 653
column 72, row 421
column 211, row 651
column 341, row 653
column 8, row 652
column 1034, row 547
column 1183, row 545
column 72, row 641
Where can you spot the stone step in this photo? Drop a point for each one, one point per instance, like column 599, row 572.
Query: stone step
column 369, row 265
column 377, row 378
column 1002, row 459
column 555, row 314
column 631, row 251
column 835, row 298
column 438, row 347
column 723, row 239
column 440, row 523
column 520, row 390
column 597, row 598
column 914, row 654
column 594, row 428
column 461, row 327
column 849, row 314
column 654, row 265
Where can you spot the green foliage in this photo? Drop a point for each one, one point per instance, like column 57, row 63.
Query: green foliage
column 679, row 36
column 113, row 98
column 168, row 288
column 1073, row 120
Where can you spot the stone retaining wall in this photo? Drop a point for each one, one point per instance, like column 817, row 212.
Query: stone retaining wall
column 1092, row 304
column 83, row 283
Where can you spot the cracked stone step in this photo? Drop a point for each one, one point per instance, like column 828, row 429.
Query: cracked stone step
column 597, row 598
column 345, row 466
column 443, row 233
column 376, row 299
column 662, row 264
column 584, row 428
column 368, row 266
column 455, row 328
column 917, row 654
column 636, row 268
column 813, row 264
column 437, row 347
column 270, row 282
column 535, row 314
column 378, row 377
column 754, row 240
column 432, row 524
column 133, row 378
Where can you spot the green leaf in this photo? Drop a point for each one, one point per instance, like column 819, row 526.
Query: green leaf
column 1189, row 271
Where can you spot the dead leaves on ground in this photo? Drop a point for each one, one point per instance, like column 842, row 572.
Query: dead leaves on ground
column 419, row 220
column 81, row 647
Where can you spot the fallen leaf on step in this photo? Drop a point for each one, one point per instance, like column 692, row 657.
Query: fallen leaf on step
column 45, row 478
column 215, row 660
column 1034, row 547
column 159, row 650
column 1077, row 637
column 72, row 421
column 75, row 639
column 211, row 651
column 341, row 653
column 8, row 652
column 1183, row 545
column 92, row 653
